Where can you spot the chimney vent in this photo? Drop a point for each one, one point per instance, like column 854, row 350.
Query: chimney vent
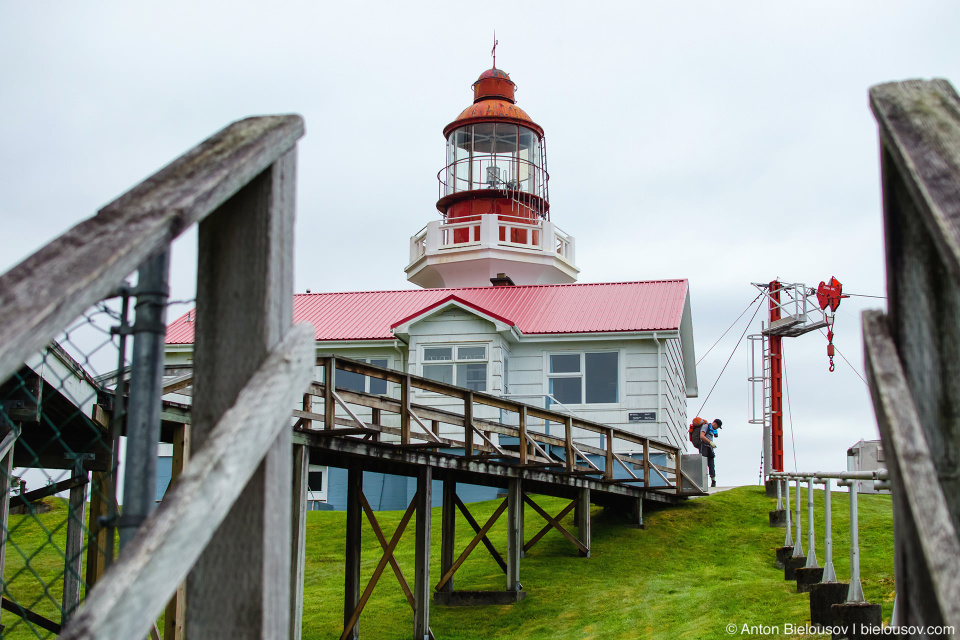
column 502, row 280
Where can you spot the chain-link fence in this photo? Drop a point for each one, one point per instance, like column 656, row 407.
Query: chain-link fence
column 58, row 468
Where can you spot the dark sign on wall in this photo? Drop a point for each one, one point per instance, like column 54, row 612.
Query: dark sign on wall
column 645, row 416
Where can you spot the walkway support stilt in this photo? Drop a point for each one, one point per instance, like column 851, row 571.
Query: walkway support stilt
column 514, row 533
column 421, row 589
column 351, row 579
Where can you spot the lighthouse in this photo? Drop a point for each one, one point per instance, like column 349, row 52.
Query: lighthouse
column 494, row 225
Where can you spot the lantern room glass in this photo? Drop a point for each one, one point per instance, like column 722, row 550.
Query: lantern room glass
column 494, row 155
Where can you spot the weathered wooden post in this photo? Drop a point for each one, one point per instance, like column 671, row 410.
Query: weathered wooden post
column 73, row 553
column 351, row 580
column 298, row 524
column 911, row 352
column 811, row 573
column 421, row 589
column 583, row 520
column 514, row 533
column 244, row 310
column 448, row 530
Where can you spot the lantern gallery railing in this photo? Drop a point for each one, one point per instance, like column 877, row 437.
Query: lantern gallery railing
column 493, row 172
column 489, row 231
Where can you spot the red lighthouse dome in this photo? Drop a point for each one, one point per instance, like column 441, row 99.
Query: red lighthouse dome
column 496, row 162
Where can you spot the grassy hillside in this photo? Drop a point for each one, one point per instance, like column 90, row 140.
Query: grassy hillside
column 695, row 569
column 692, row 571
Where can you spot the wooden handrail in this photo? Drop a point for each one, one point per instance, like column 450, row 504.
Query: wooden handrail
column 98, row 253
column 125, row 603
column 425, row 384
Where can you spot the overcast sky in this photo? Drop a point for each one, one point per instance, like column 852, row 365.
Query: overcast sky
column 723, row 142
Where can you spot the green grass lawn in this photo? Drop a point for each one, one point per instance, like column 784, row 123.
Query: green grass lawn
column 695, row 569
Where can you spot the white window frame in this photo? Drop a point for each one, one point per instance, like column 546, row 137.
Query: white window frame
column 582, row 374
column 454, row 361
column 321, row 495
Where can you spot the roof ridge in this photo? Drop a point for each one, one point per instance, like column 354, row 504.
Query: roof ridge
column 489, row 287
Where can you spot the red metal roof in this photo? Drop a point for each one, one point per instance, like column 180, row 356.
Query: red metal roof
column 539, row 309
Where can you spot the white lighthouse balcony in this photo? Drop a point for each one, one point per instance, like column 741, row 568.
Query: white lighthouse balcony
column 469, row 251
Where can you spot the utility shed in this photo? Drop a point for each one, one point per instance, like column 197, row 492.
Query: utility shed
column 866, row 455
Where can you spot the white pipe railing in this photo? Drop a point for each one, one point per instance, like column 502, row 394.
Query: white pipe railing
column 849, row 479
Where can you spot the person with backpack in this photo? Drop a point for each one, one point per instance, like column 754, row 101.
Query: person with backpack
column 708, row 433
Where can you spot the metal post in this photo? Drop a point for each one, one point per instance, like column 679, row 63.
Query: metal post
column 788, row 541
column 811, row 548
column 829, row 573
column 798, row 548
column 779, row 495
column 146, row 389
column 116, row 427
column 855, row 593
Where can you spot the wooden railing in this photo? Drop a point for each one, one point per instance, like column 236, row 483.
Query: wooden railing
column 251, row 366
column 419, row 425
column 912, row 352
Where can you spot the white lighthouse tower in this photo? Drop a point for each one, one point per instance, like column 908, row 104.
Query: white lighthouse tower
column 495, row 223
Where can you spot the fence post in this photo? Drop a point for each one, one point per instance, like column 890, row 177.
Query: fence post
column 855, row 593
column 524, row 445
column 146, row 389
column 568, row 442
column 798, row 547
column 6, row 473
column 329, row 385
column 829, row 573
column 73, row 553
column 174, row 615
column 788, row 541
column 468, row 424
column 811, row 548
column 244, row 309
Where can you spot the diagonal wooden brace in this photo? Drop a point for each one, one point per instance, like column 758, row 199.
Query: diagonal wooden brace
column 387, row 555
column 476, row 527
column 378, row 532
column 555, row 523
column 473, row 543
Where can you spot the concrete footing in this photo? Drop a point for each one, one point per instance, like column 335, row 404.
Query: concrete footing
column 823, row 596
column 807, row 577
column 771, row 488
column 791, row 565
column 783, row 554
column 778, row 518
column 855, row 618
column 477, row 598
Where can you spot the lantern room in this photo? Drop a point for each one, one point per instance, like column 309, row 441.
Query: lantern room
column 495, row 225
column 496, row 161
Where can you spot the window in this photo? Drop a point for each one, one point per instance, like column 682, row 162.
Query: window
column 317, row 480
column 461, row 365
column 583, row 378
column 362, row 383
